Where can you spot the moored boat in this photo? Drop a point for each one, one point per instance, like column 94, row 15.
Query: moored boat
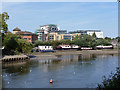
column 86, row 48
column 104, row 47
column 46, row 48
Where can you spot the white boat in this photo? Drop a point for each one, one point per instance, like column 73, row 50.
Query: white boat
column 67, row 47
column 104, row 47
column 45, row 48
column 86, row 48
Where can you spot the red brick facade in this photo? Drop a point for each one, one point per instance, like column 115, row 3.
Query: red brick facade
column 29, row 36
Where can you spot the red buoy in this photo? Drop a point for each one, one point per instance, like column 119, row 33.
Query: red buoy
column 51, row 81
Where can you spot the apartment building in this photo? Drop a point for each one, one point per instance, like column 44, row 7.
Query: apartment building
column 44, row 31
column 67, row 36
column 99, row 34
column 29, row 36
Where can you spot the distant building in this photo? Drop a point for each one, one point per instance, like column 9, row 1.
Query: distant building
column 29, row 36
column 67, row 36
column 41, row 35
column 16, row 30
column 114, row 42
column 49, row 27
column 53, row 32
column 99, row 34
column 59, row 31
column 44, row 31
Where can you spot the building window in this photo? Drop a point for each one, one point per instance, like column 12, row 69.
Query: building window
column 51, row 37
column 67, row 37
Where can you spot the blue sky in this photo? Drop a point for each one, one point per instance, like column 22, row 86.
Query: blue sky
column 67, row 15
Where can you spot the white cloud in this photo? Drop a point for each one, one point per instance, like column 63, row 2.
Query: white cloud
column 59, row 0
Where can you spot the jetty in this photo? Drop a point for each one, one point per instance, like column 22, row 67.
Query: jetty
column 14, row 58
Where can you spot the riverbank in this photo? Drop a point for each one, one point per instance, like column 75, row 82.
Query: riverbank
column 14, row 58
column 51, row 55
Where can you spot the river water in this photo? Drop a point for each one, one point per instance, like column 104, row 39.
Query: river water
column 67, row 71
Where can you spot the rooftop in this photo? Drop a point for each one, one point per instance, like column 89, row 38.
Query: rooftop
column 84, row 31
column 24, row 32
column 49, row 25
column 16, row 29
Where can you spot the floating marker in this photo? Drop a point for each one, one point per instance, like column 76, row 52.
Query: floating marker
column 51, row 81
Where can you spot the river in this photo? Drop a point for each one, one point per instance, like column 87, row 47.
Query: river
column 67, row 71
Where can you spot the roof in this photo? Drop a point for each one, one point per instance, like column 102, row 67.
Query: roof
column 24, row 32
column 8, row 31
column 52, row 25
column 49, row 25
column 16, row 29
column 84, row 31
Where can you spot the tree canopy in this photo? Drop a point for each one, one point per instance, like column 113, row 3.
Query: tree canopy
column 3, row 18
column 15, row 44
column 94, row 35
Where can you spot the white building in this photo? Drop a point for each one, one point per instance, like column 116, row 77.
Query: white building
column 99, row 34
column 44, row 30
column 49, row 27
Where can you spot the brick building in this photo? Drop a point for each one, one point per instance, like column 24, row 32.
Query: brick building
column 29, row 36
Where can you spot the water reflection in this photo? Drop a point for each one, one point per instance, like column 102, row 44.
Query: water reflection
column 23, row 67
column 75, row 68
column 18, row 68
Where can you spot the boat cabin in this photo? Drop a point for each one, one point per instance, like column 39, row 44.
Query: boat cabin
column 45, row 47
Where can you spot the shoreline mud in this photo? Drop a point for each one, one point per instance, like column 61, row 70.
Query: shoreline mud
column 51, row 55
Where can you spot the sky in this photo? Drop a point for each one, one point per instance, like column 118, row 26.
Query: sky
column 68, row 16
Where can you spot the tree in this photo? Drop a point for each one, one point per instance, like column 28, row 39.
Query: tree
column 10, row 42
column 94, row 35
column 24, row 46
column 65, row 41
column 15, row 44
column 84, row 41
column 108, row 38
column 112, row 82
column 38, row 42
column 55, row 43
column 103, row 42
column 3, row 18
column 118, row 38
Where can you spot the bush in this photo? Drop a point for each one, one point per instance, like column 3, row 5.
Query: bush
column 14, row 44
column 113, row 82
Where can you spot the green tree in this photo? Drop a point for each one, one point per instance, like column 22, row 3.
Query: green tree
column 94, row 35
column 65, row 41
column 118, row 38
column 38, row 42
column 10, row 42
column 84, row 41
column 55, row 43
column 15, row 44
column 3, row 18
column 103, row 42
column 24, row 46
column 108, row 38
column 112, row 82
